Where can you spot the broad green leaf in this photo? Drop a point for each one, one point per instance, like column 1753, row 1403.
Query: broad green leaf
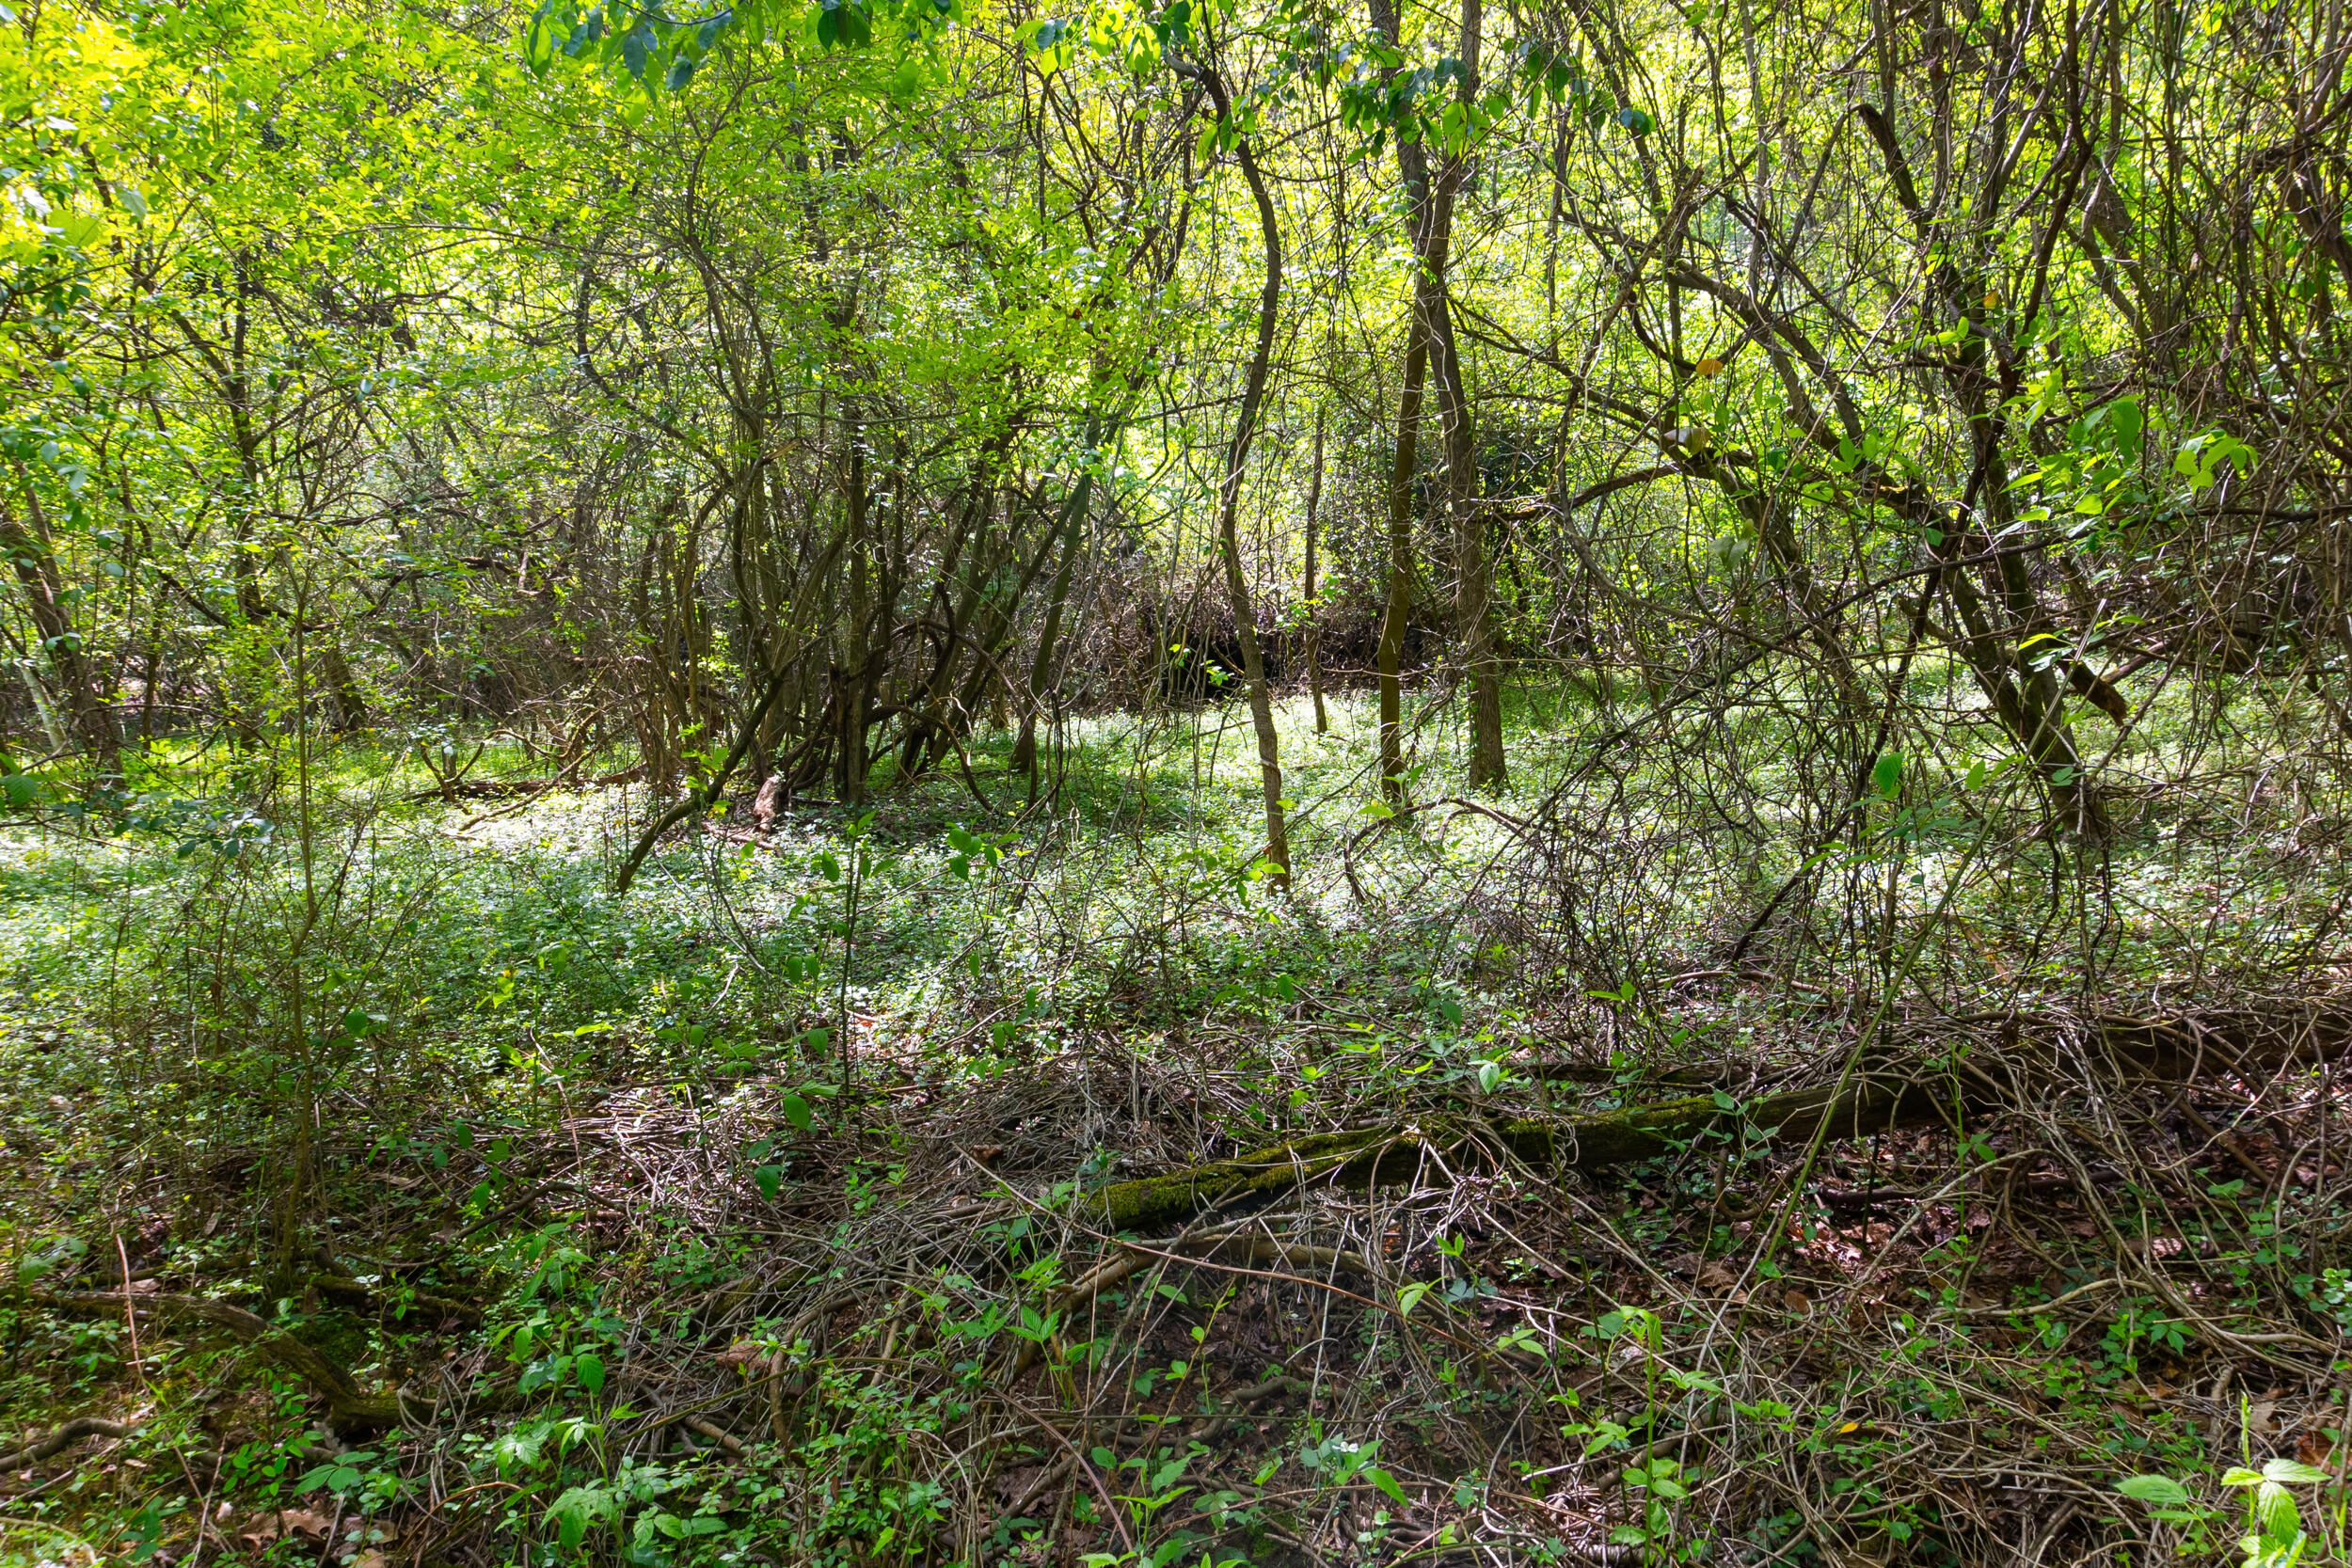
column 2294, row 1472
column 2159, row 1491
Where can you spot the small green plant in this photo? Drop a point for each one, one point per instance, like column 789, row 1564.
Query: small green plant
column 2274, row 1536
column 1659, row 1484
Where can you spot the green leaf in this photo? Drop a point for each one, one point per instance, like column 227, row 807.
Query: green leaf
column 539, row 43
column 2294, row 1472
column 2156, row 1491
column 590, row 1368
column 2274, row 1505
column 770, row 1179
column 1887, row 775
column 636, row 48
column 579, row 1508
column 1387, row 1482
column 796, row 1111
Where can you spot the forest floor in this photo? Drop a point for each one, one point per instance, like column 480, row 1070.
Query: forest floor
column 382, row 1189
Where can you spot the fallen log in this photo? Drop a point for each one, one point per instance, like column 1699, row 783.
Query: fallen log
column 345, row 1398
column 2128, row 1048
column 1377, row 1156
column 64, row 1436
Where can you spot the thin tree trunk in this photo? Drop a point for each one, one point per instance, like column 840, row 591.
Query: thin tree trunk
column 1278, row 849
column 1408, row 401
column 1042, row 666
column 856, row 673
column 1400, row 604
column 1473, row 573
column 1314, row 614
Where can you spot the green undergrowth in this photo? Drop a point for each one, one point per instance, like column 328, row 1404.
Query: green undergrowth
column 433, row 998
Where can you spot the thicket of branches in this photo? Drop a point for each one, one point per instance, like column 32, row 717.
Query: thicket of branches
column 811, row 400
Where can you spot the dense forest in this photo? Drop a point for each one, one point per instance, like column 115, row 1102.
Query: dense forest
column 1235, row 782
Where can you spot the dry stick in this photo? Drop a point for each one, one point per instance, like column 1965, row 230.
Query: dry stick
column 2036, row 1310
column 130, row 1318
column 138, row 1370
column 1049, row 1476
column 1862, row 1041
column 716, row 1433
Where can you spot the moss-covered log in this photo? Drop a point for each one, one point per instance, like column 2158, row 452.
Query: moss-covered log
column 1376, row 1155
